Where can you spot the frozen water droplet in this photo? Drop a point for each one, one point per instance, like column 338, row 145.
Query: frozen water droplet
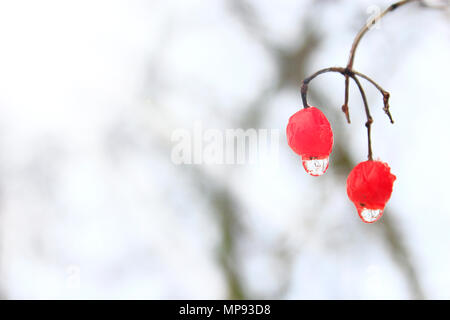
column 315, row 167
column 370, row 215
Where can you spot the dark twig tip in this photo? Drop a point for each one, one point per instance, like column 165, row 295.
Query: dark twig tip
column 345, row 111
column 386, row 97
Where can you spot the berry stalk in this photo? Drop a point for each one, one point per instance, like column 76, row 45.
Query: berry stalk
column 349, row 73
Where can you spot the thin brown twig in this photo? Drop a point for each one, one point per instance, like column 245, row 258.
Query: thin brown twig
column 383, row 92
column 345, row 105
column 369, row 117
column 348, row 73
column 351, row 58
column 305, row 82
column 343, row 71
column 367, row 26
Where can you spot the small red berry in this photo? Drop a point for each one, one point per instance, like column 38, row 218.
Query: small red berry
column 369, row 187
column 309, row 135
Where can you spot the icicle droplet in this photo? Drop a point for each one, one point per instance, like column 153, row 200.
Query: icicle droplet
column 370, row 215
column 315, row 167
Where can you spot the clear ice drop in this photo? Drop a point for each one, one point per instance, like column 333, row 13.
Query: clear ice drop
column 315, row 167
column 371, row 215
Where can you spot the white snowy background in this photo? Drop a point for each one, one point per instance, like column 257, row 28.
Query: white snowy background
column 91, row 205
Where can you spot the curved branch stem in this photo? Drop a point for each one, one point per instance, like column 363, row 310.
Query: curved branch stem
column 351, row 58
column 348, row 73
column 306, row 81
column 367, row 26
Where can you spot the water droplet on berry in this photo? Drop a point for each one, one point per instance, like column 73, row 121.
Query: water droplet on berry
column 370, row 215
column 315, row 167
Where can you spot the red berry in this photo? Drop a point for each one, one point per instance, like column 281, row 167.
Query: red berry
column 310, row 136
column 369, row 187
